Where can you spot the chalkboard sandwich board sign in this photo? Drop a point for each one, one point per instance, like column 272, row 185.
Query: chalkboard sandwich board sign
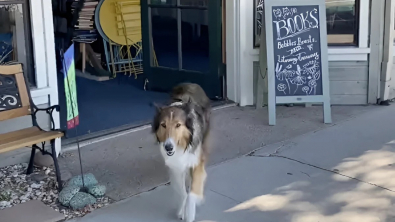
column 297, row 54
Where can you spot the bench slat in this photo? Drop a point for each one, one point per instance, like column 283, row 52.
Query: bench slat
column 8, row 137
column 11, row 69
column 26, row 137
column 14, row 113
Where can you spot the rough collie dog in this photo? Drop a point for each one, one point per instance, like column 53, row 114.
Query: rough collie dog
column 181, row 129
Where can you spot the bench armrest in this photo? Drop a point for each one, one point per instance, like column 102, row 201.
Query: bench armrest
column 48, row 110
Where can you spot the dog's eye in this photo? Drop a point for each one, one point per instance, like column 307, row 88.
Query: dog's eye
column 163, row 125
column 178, row 125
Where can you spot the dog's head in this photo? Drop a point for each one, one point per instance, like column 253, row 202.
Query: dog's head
column 173, row 128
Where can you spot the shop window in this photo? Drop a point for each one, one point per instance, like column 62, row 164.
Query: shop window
column 342, row 21
column 15, row 37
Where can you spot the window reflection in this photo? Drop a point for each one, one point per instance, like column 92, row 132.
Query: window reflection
column 342, row 25
column 11, row 30
column 15, row 37
column 195, row 40
column 165, row 37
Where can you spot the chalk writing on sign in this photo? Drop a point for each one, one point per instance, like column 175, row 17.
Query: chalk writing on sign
column 297, row 51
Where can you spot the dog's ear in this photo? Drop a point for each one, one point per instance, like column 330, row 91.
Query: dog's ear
column 189, row 125
column 155, row 122
column 190, row 120
column 158, row 108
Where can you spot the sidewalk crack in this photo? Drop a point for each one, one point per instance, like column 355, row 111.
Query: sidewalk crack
column 223, row 195
column 305, row 173
column 332, row 171
column 277, row 151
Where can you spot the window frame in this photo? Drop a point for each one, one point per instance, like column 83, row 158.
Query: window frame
column 29, row 60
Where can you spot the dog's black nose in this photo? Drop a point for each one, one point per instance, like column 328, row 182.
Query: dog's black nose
column 168, row 147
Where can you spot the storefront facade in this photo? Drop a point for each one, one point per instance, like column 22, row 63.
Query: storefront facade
column 351, row 80
column 355, row 58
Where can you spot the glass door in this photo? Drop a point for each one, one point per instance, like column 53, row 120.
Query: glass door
column 183, row 38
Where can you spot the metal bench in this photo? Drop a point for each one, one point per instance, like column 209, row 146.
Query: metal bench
column 16, row 101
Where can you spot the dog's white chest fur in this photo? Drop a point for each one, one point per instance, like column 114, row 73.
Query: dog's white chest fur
column 181, row 160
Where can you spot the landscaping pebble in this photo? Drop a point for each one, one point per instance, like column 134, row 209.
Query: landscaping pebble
column 16, row 187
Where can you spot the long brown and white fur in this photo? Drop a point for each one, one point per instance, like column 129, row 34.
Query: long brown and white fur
column 181, row 130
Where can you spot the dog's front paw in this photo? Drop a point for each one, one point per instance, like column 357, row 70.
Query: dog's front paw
column 181, row 210
column 181, row 214
column 190, row 207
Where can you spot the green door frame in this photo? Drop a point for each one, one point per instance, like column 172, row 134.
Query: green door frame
column 163, row 78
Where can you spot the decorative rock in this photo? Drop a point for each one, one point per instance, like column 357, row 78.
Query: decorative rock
column 89, row 180
column 42, row 160
column 37, row 177
column 23, row 197
column 15, row 174
column 4, row 204
column 97, row 190
column 67, row 194
column 80, row 200
column 35, row 185
column 24, row 165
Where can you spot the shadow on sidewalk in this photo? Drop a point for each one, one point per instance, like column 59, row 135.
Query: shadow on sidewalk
column 364, row 191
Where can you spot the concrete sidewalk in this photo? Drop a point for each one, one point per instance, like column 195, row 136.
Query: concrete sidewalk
column 343, row 173
column 131, row 163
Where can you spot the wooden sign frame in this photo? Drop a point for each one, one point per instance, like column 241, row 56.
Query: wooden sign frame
column 274, row 99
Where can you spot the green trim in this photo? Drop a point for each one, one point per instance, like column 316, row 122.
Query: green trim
column 145, row 37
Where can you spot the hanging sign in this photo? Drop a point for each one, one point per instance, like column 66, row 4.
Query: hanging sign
column 297, row 54
column 70, row 88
